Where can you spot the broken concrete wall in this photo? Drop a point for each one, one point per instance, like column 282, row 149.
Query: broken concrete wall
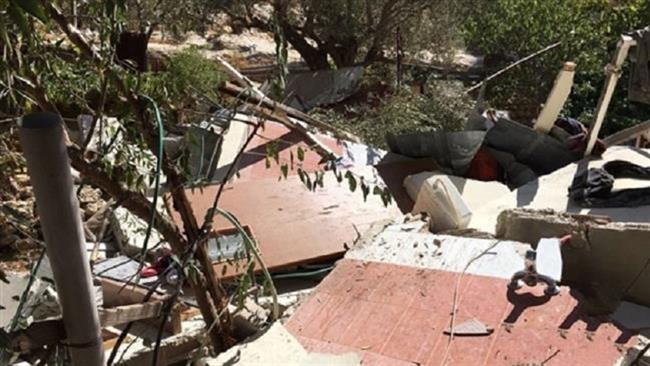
column 606, row 261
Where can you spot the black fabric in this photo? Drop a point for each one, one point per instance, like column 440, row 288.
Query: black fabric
column 594, row 188
column 639, row 90
column 540, row 152
column 451, row 150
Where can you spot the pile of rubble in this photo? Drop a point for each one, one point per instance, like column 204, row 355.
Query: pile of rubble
column 481, row 257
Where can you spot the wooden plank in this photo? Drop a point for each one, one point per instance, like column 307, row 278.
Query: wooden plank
column 128, row 313
column 235, row 90
column 556, row 99
column 627, row 134
column 116, row 294
column 613, row 74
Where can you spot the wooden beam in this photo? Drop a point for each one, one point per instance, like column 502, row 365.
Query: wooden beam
column 117, row 296
column 128, row 313
column 285, row 119
column 627, row 134
column 556, row 98
column 613, row 71
column 259, row 98
column 50, row 332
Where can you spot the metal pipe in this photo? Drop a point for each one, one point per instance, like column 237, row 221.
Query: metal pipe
column 43, row 143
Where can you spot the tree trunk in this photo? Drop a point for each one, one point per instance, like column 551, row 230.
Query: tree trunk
column 343, row 52
column 315, row 58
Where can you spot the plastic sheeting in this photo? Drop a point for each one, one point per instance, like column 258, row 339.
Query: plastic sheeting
column 305, row 91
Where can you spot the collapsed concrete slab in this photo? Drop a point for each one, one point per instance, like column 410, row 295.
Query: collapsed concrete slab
column 396, row 315
column 409, row 244
column 130, row 231
column 278, row 347
column 551, row 192
column 607, row 261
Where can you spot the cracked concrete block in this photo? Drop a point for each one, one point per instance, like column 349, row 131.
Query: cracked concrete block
column 130, row 231
column 606, row 261
column 276, row 346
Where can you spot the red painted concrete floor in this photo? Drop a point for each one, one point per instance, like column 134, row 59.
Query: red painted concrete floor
column 395, row 315
column 291, row 224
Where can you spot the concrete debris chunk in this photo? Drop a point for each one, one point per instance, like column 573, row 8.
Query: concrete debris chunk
column 607, row 261
column 277, row 347
column 130, row 231
column 400, row 244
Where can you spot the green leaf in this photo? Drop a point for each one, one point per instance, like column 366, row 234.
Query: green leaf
column 304, row 178
column 352, row 181
column 301, row 154
column 386, row 197
column 365, row 190
column 285, row 170
column 18, row 17
column 339, row 176
column 291, row 158
column 33, row 8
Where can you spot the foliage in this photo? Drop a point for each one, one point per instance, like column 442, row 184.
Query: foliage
column 189, row 84
column 506, row 30
column 348, row 32
column 47, row 64
column 442, row 106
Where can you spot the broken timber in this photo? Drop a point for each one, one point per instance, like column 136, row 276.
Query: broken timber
column 260, row 97
column 556, row 99
column 613, row 71
column 627, row 134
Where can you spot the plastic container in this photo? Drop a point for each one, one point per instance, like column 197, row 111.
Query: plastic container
column 436, row 195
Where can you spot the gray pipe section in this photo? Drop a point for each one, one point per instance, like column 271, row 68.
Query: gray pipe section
column 43, row 144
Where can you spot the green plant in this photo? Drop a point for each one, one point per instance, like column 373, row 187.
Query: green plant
column 506, row 30
column 349, row 32
column 442, row 106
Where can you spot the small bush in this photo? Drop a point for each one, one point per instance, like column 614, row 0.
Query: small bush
column 442, row 106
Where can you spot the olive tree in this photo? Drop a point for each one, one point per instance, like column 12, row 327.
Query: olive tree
column 350, row 32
